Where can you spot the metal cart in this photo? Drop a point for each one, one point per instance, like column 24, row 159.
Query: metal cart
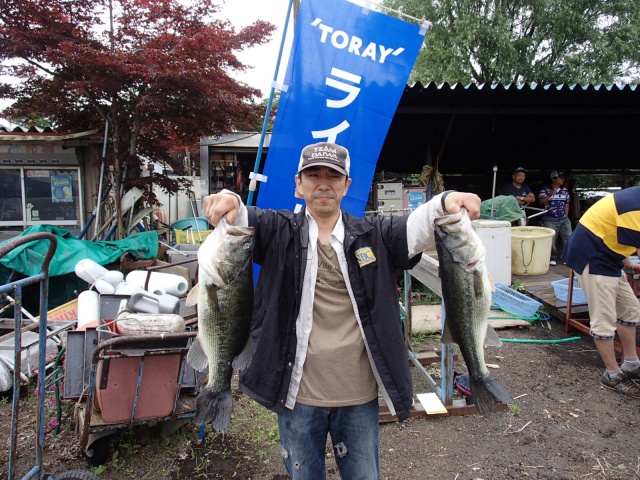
column 15, row 290
column 134, row 380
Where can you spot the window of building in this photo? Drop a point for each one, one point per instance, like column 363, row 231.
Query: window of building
column 30, row 196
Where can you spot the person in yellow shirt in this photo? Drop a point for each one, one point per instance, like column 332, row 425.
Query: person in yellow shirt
column 600, row 247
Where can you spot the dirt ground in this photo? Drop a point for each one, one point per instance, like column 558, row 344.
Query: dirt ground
column 562, row 426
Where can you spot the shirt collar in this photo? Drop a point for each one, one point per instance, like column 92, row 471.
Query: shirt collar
column 338, row 230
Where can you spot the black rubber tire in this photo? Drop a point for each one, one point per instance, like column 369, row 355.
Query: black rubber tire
column 77, row 475
column 98, row 452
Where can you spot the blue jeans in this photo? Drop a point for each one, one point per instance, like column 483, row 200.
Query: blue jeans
column 354, row 436
column 563, row 231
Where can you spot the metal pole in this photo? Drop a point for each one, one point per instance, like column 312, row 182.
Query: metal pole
column 493, row 193
column 100, row 200
column 256, row 168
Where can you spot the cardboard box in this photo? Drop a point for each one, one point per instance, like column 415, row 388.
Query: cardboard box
column 64, row 313
column 189, row 252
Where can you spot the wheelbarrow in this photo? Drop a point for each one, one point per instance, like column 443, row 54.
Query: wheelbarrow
column 134, row 380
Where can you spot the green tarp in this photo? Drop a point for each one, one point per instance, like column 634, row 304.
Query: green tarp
column 27, row 259
column 505, row 207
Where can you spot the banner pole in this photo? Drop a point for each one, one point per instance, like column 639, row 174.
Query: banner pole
column 256, row 167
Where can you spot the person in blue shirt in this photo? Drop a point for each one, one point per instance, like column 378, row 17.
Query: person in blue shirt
column 556, row 198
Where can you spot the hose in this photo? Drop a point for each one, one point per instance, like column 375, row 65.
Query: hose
column 539, row 315
column 525, row 340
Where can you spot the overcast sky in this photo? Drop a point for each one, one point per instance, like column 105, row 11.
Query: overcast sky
column 263, row 58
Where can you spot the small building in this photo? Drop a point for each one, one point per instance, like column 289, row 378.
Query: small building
column 227, row 160
column 47, row 178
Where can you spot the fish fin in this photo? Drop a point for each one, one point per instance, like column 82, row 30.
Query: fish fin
column 196, row 356
column 492, row 339
column 214, row 408
column 192, row 297
column 486, row 392
column 478, row 283
column 447, row 336
column 243, row 360
column 492, row 283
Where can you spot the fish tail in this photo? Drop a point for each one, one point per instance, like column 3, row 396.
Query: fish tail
column 214, row 408
column 486, row 392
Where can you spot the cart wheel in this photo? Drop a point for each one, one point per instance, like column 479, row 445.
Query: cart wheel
column 96, row 454
column 77, row 475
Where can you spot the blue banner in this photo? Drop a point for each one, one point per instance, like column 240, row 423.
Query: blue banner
column 347, row 70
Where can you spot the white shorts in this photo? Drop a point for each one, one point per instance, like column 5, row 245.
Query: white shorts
column 611, row 300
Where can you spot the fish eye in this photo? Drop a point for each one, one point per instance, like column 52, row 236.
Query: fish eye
column 246, row 246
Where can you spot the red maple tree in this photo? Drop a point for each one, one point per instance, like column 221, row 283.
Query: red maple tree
column 160, row 76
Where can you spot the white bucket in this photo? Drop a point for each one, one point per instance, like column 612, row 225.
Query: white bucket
column 531, row 250
column 496, row 237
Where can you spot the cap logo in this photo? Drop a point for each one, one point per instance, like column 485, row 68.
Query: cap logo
column 325, row 152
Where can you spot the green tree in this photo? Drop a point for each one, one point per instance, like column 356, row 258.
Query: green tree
column 517, row 41
column 160, row 77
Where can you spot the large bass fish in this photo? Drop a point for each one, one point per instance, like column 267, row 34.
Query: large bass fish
column 224, row 294
column 466, row 290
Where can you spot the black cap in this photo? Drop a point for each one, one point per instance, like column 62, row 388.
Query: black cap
column 556, row 174
column 519, row 169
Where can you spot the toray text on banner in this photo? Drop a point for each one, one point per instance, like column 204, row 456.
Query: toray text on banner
column 347, row 70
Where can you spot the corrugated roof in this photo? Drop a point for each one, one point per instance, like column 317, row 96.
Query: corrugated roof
column 535, row 98
column 474, row 127
column 524, row 86
column 33, row 134
column 19, row 130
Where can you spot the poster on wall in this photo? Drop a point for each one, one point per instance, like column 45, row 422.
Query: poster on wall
column 61, row 189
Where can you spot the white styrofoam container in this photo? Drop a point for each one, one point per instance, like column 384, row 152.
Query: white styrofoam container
column 389, row 191
column 496, row 237
column 391, row 207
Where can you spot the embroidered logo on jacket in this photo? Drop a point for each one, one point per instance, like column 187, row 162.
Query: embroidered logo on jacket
column 365, row 256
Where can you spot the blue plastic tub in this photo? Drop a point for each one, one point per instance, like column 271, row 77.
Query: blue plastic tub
column 514, row 302
column 561, row 290
column 203, row 224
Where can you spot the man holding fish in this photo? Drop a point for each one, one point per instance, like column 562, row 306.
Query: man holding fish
column 326, row 332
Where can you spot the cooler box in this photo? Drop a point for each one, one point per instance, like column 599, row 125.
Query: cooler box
column 496, row 237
